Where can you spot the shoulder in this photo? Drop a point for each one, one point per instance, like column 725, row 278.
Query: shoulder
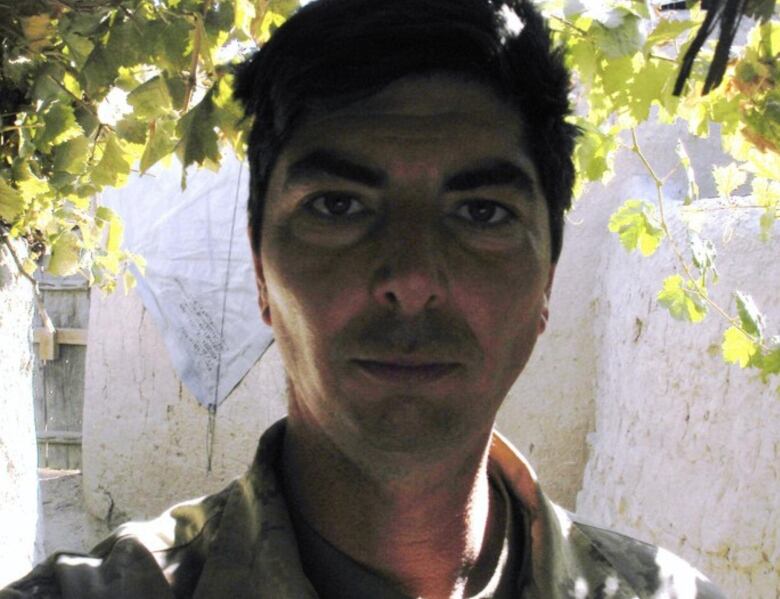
column 649, row 570
column 158, row 558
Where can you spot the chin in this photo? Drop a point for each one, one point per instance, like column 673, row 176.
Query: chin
column 414, row 425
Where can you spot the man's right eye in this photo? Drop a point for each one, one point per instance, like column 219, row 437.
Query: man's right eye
column 335, row 205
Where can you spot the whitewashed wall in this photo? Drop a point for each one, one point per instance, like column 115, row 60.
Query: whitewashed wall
column 19, row 502
column 684, row 451
column 144, row 443
column 621, row 409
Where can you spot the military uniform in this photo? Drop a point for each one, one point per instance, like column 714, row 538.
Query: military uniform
column 240, row 544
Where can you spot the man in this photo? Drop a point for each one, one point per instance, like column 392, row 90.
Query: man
column 411, row 165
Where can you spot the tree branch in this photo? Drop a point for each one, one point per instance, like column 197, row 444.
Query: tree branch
column 697, row 287
column 45, row 320
column 193, row 78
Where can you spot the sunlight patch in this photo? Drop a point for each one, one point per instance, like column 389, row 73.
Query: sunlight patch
column 72, row 560
column 677, row 580
column 611, row 585
column 581, row 588
column 512, row 23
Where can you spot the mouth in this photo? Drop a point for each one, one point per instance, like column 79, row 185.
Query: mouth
column 406, row 372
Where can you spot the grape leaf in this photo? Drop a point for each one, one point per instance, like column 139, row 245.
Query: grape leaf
column 682, row 301
column 703, row 254
column 749, row 315
column 685, row 161
column 71, row 156
column 113, row 167
column 636, row 225
column 150, row 99
column 65, row 255
column 737, row 347
column 79, row 47
column 161, row 143
column 728, row 178
column 623, row 40
column 59, row 126
column 12, row 203
column 198, row 139
column 667, row 30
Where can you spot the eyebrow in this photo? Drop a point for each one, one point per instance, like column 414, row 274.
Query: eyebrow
column 494, row 173
column 319, row 163
column 326, row 163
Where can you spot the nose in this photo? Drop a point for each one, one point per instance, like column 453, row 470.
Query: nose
column 411, row 276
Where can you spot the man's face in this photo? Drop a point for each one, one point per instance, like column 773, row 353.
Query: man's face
column 404, row 264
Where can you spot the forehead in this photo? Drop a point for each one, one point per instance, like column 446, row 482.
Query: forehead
column 418, row 124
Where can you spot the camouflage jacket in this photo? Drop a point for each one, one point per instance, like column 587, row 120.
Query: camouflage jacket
column 239, row 544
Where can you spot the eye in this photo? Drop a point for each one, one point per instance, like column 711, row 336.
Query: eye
column 335, row 205
column 484, row 212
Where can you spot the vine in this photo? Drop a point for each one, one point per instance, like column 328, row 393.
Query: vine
column 92, row 91
column 625, row 58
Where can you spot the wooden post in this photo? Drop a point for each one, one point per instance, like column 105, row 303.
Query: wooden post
column 48, row 348
column 49, row 340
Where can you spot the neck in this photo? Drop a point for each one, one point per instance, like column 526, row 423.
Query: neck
column 433, row 530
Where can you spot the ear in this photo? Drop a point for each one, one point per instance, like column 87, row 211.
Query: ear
column 262, row 289
column 545, row 315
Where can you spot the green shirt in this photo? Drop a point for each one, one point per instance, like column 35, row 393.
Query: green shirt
column 240, row 544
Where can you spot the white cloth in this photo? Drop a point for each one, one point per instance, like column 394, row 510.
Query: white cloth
column 198, row 287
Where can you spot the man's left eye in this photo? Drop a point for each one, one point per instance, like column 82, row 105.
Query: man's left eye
column 484, row 212
column 332, row 205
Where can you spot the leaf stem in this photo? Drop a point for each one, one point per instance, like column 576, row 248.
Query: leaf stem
column 192, row 79
column 9, row 128
column 570, row 25
column 664, row 58
column 697, row 287
column 72, row 95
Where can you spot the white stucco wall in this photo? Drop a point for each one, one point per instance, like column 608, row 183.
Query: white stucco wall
column 144, row 443
column 684, row 450
column 19, row 503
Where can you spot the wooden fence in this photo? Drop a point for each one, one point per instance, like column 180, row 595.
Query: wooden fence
column 58, row 384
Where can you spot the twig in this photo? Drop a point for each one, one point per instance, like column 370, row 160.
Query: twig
column 98, row 131
column 72, row 95
column 664, row 58
column 735, row 206
column 45, row 320
column 193, row 78
column 9, row 128
column 570, row 25
column 673, row 244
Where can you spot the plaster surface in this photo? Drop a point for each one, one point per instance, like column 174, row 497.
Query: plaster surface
column 684, row 450
column 145, row 440
column 19, row 503
column 68, row 524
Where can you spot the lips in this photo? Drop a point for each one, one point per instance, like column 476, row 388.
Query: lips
column 405, row 371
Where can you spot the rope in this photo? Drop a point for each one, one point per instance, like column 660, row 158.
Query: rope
column 212, row 424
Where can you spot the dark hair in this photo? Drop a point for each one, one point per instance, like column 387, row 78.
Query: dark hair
column 334, row 52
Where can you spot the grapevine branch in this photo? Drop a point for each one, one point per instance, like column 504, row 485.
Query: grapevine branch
column 47, row 323
column 697, row 287
column 192, row 79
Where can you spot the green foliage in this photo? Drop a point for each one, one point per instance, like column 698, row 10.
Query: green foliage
column 90, row 92
column 684, row 299
column 738, row 348
column 637, row 226
column 625, row 65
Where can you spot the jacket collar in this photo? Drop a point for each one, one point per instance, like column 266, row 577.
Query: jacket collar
column 255, row 553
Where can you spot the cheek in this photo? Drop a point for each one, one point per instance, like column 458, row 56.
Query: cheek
column 503, row 308
column 312, row 291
